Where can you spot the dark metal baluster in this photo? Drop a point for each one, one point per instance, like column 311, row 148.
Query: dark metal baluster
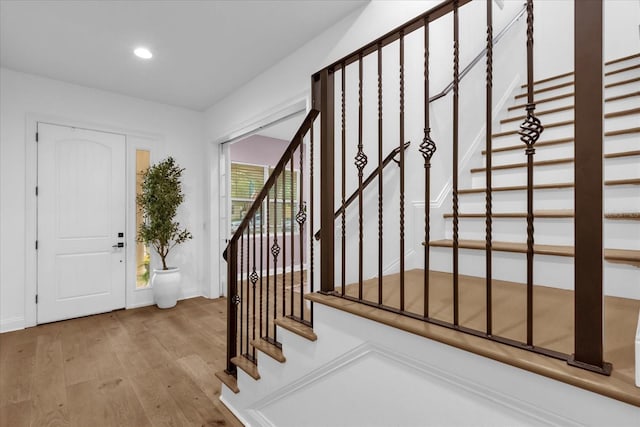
column 361, row 162
column 248, row 290
column 380, row 167
column 284, row 243
column 301, row 218
column 530, row 131
column 311, row 223
column 261, row 261
column 242, row 299
column 343, row 273
column 232, row 306
column 401, row 170
column 266, row 314
column 327, row 181
column 456, row 81
column 488, row 184
column 275, row 251
column 427, row 148
column 291, row 231
column 254, row 279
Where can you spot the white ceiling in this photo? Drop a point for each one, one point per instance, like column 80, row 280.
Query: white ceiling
column 203, row 50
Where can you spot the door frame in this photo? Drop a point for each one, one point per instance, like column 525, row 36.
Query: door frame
column 134, row 140
column 296, row 105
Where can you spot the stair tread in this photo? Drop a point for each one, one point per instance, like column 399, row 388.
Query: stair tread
column 297, row 328
column 618, row 97
column 622, row 70
column 547, row 213
column 623, row 215
column 630, row 153
column 269, row 349
column 622, row 131
column 548, row 79
column 538, row 144
column 519, row 187
column 539, row 113
column 228, row 380
column 524, row 164
column 624, row 58
column 549, row 125
column 246, row 365
column 622, row 113
column 546, row 89
column 557, row 250
column 622, row 82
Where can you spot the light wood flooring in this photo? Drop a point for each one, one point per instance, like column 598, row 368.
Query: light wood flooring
column 141, row 367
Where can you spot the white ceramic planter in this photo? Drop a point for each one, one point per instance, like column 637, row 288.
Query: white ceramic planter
column 166, row 287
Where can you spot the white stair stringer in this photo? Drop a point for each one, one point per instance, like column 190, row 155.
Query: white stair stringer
column 363, row 373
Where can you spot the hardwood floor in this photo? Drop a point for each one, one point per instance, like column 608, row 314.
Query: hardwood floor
column 141, row 367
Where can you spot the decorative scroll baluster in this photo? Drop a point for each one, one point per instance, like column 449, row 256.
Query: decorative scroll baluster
column 254, row 280
column 488, row 185
column 380, row 167
column 275, row 251
column 427, row 148
column 360, row 162
column 456, row 81
column 248, row 298
column 401, row 170
column 343, row 185
column 267, row 292
column 530, row 131
column 301, row 218
column 261, row 261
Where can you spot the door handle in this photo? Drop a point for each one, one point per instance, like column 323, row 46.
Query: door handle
column 118, row 245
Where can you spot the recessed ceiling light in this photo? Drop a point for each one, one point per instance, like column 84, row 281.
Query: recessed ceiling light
column 143, row 52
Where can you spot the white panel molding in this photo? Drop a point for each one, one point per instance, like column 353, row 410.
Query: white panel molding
column 369, row 349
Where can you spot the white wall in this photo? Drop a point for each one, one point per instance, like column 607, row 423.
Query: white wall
column 166, row 130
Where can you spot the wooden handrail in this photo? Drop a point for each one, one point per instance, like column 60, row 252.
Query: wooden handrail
column 369, row 180
column 286, row 156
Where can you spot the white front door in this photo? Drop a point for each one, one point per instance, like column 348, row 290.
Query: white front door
column 81, row 222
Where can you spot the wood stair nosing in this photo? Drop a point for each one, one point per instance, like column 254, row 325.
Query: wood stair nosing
column 549, row 79
column 554, row 186
column 631, row 216
column 538, row 144
column 524, row 164
column 631, row 153
column 614, row 255
column 629, row 181
column 619, row 97
column 622, row 82
column 269, row 349
column 546, row 89
column 546, row 126
column 559, row 213
column 622, row 131
column 247, row 366
column 622, row 113
column 540, row 101
column 622, row 70
column 228, row 380
column 539, row 113
column 624, row 58
column 297, row 328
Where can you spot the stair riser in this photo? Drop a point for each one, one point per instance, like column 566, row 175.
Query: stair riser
column 550, row 152
column 553, row 82
column 624, row 198
column 620, row 89
column 625, row 75
column 542, row 175
column 516, row 201
column 558, row 272
column 621, row 143
column 549, row 105
column 622, row 167
column 543, row 95
column 622, row 104
column 547, row 231
column 622, row 122
column 560, row 116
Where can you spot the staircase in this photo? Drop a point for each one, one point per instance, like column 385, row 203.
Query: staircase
column 553, row 195
column 340, row 353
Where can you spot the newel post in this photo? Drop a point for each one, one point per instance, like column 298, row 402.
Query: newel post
column 589, row 298
column 323, row 88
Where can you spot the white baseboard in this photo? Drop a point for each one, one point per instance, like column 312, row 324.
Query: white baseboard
column 11, row 324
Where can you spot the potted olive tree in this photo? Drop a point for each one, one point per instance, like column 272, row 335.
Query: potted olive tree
column 159, row 199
